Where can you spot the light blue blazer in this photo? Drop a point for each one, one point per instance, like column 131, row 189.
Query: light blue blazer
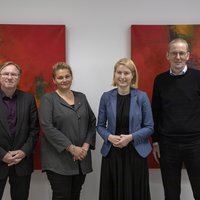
column 140, row 120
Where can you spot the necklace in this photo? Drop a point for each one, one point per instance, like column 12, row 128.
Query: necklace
column 67, row 96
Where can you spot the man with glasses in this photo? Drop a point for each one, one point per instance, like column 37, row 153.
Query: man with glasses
column 176, row 112
column 19, row 129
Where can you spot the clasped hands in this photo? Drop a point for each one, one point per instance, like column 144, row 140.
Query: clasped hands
column 78, row 153
column 13, row 157
column 120, row 141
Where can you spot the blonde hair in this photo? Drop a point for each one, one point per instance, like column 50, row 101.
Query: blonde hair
column 60, row 65
column 5, row 64
column 132, row 67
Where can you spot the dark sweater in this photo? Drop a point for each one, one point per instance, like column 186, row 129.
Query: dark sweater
column 176, row 106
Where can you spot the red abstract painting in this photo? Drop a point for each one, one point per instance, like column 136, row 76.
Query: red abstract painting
column 35, row 48
column 149, row 44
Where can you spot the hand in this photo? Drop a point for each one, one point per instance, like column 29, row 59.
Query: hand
column 78, row 153
column 156, row 152
column 14, row 157
column 82, row 153
column 114, row 139
column 8, row 158
column 85, row 149
column 124, row 140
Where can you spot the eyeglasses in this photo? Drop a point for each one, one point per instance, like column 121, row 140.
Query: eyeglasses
column 6, row 75
column 174, row 54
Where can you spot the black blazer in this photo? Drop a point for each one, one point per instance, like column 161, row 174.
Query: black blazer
column 27, row 132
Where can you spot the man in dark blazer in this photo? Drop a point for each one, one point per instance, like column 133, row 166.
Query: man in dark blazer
column 19, row 129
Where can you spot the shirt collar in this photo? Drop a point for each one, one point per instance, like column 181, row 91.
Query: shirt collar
column 3, row 95
column 181, row 73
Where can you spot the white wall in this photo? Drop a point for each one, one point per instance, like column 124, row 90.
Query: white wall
column 98, row 34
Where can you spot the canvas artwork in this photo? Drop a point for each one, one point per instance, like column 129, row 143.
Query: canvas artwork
column 149, row 44
column 35, row 48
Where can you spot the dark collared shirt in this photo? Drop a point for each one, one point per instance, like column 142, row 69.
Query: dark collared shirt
column 11, row 111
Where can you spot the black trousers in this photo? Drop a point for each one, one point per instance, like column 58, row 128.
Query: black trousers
column 19, row 185
column 65, row 187
column 172, row 158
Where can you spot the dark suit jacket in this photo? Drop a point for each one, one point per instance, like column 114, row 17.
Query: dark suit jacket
column 27, row 131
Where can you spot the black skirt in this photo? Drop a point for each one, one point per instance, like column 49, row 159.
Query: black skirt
column 124, row 175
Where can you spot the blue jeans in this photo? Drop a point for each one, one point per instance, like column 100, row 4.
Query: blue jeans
column 172, row 157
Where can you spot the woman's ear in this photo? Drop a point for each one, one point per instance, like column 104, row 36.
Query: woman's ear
column 54, row 81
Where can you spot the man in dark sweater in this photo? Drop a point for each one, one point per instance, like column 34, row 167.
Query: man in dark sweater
column 176, row 111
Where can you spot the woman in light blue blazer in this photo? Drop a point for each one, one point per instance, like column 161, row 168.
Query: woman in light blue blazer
column 125, row 124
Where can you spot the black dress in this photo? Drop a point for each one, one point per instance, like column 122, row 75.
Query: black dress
column 124, row 173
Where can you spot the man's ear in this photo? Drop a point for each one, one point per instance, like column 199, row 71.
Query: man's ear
column 167, row 55
column 188, row 55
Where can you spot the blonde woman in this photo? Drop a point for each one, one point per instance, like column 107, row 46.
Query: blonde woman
column 125, row 124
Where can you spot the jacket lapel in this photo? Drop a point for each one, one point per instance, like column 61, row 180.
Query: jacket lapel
column 114, row 102
column 20, row 111
column 77, row 101
column 3, row 118
column 133, row 104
